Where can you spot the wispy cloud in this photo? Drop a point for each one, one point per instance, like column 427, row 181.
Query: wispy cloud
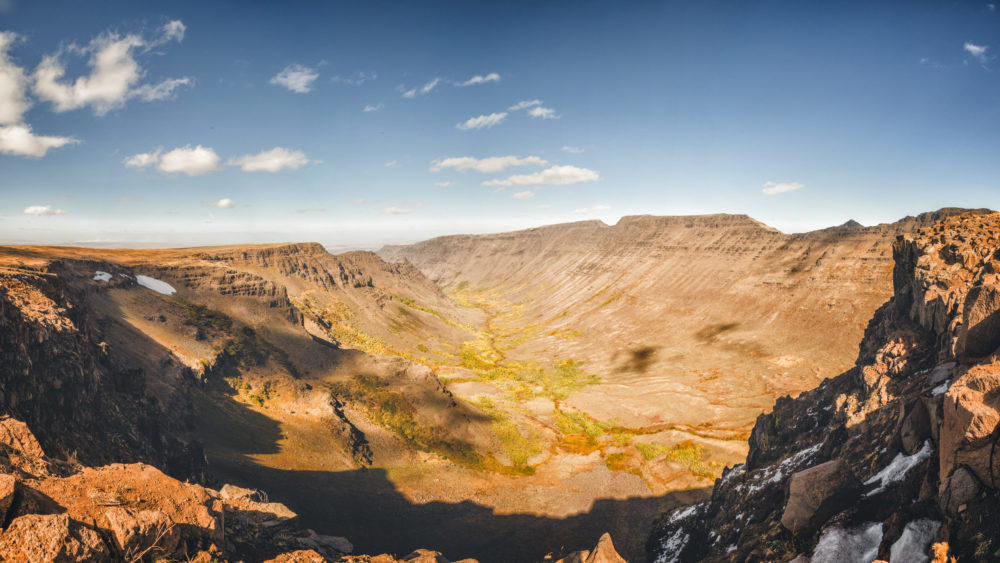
column 373, row 108
column 114, row 76
column 297, row 78
column 355, row 80
column 274, row 160
column 543, row 112
column 224, row 203
column 392, row 164
column 311, row 210
column 523, row 195
column 425, row 89
column 487, row 165
column 773, row 188
column 482, row 121
column 978, row 52
column 143, row 159
column 394, row 210
column 442, row 184
column 590, row 210
column 44, row 210
column 554, row 176
column 477, row 79
column 524, row 105
column 572, row 150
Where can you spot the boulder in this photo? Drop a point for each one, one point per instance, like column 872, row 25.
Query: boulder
column 147, row 531
column 604, row 552
column 980, row 332
column 301, row 556
column 575, row 557
column 816, row 494
column 232, row 492
column 971, row 412
column 51, row 538
column 8, row 483
column 915, row 428
column 961, row 488
column 332, row 546
column 16, row 434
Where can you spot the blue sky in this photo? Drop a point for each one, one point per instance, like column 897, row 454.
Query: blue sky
column 143, row 123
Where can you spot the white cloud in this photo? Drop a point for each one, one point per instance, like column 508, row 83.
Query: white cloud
column 525, row 104
column 296, row 77
column 544, row 113
column 554, row 176
column 572, row 150
column 394, row 210
column 425, row 89
column 174, row 31
column 224, row 203
column 191, row 161
column 114, row 76
column 477, row 79
column 357, row 202
column 978, row 52
column 594, row 209
column 487, row 165
column 991, row 7
column 161, row 91
column 373, row 108
column 524, row 195
column 482, row 121
column 19, row 140
column 13, row 84
column 143, row 160
column 772, row 188
column 442, row 184
column 392, row 164
column 356, row 80
column 44, row 210
column 274, row 160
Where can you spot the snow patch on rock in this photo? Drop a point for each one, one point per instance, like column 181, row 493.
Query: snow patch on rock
column 102, row 276
column 898, row 467
column 915, row 541
column 856, row 545
column 155, row 284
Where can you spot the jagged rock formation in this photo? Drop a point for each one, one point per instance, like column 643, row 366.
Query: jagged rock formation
column 915, row 422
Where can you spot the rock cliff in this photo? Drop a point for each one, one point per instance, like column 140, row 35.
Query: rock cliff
column 893, row 459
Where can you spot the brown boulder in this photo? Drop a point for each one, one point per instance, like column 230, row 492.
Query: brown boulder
column 301, row 556
column 232, row 492
column 971, row 412
column 8, row 483
column 980, row 332
column 575, row 557
column 425, row 556
column 915, row 428
column 51, row 538
column 961, row 488
column 147, row 531
column 816, row 494
column 604, row 552
column 16, row 434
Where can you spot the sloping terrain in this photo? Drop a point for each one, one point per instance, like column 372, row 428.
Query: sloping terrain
column 893, row 459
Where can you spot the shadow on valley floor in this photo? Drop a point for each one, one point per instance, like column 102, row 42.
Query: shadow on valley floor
column 365, row 506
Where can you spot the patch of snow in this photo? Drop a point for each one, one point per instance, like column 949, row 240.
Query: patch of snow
column 777, row 474
column 155, row 284
column 941, row 389
column 126, row 276
column 102, row 276
column 736, row 471
column 857, row 545
column 898, row 467
column 670, row 548
column 913, row 544
column 731, row 548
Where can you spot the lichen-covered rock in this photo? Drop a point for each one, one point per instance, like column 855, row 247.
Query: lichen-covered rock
column 146, row 531
column 18, row 437
column 8, row 484
column 51, row 538
column 301, row 556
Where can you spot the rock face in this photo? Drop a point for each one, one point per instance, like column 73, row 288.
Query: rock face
column 915, row 420
column 817, row 493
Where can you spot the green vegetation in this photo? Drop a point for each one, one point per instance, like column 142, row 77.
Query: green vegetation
column 390, row 409
column 337, row 321
column 517, row 447
column 651, row 451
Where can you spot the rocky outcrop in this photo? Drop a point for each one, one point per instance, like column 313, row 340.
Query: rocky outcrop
column 916, row 421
